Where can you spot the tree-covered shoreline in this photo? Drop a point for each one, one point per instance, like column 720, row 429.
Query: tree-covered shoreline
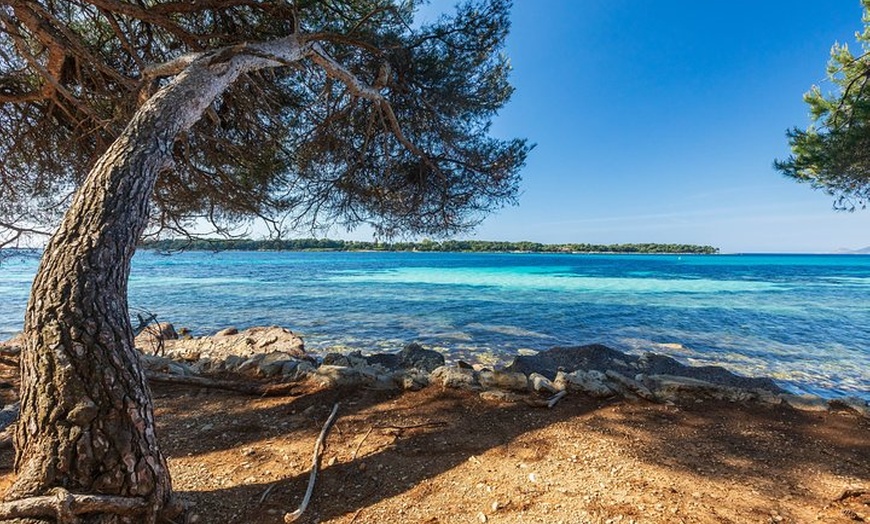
column 446, row 246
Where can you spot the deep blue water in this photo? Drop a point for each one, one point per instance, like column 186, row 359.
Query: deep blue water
column 801, row 319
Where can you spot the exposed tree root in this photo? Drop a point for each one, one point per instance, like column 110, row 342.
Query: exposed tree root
column 247, row 387
column 65, row 506
column 318, row 452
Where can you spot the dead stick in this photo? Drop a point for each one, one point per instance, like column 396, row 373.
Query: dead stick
column 434, row 424
column 266, row 493
column 359, row 446
column 556, row 398
column 318, row 451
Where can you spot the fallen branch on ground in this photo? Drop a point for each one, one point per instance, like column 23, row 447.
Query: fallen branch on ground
column 851, row 493
column 266, row 493
column 359, row 446
column 250, row 388
column 433, row 424
column 318, row 453
column 556, row 398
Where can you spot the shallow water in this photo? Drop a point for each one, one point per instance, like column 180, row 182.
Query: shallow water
column 801, row 319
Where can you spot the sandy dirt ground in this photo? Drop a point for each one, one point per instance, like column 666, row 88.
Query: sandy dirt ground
column 447, row 456
column 441, row 456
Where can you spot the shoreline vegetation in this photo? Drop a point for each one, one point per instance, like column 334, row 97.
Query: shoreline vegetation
column 425, row 246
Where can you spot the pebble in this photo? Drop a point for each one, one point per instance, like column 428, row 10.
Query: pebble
column 481, row 517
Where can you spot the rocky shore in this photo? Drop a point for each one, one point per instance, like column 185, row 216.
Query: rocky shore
column 630, row 439
column 277, row 354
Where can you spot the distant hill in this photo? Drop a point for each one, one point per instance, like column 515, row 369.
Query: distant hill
column 472, row 246
column 862, row 251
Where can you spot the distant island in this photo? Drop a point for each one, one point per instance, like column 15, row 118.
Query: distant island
column 452, row 246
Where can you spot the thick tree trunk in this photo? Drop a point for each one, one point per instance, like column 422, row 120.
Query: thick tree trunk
column 87, row 423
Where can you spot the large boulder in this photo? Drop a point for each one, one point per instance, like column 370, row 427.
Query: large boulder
column 412, row 356
column 592, row 383
column 246, row 343
column 509, row 380
column 596, row 357
column 568, row 359
column 454, row 377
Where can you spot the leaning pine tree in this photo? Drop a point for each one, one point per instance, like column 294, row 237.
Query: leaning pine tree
column 120, row 118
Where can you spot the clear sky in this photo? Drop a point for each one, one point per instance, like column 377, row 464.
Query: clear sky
column 659, row 120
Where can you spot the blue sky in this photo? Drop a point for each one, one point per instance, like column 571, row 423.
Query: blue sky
column 659, row 120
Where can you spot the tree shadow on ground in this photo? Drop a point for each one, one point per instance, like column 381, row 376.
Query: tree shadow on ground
column 390, row 444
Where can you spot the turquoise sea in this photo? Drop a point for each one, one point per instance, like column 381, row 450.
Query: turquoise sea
column 802, row 319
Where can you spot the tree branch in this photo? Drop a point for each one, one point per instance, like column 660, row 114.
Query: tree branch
column 318, row 450
column 358, row 88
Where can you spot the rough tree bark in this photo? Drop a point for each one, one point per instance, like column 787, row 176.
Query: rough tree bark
column 86, row 423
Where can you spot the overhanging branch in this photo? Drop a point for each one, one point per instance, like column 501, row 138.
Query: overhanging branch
column 360, row 89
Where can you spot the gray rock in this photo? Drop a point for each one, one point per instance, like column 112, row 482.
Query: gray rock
column 250, row 364
column 177, row 368
column 384, row 382
column 155, row 362
column 673, row 387
column 542, row 384
column 386, row 360
column 858, row 405
column 245, row 344
column 805, row 402
column 337, row 376
column 601, row 358
column 767, row 396
column 583, row 382
column 454, row 377
column 9, row 414
column 303, row 370
column 232, row 362
column 503, row 380
column 227, row 332
column 206, row 365
column 629, row 384
column 411, row 379
column 272, row 363
column 413, row 356
column 13, row 345
column 568, row 359
column 501, row 396
column 336, row 359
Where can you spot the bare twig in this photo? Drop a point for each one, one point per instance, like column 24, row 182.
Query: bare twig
column 266, row 493
column 359, row 446
column 431, row 424
column 318, row 451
